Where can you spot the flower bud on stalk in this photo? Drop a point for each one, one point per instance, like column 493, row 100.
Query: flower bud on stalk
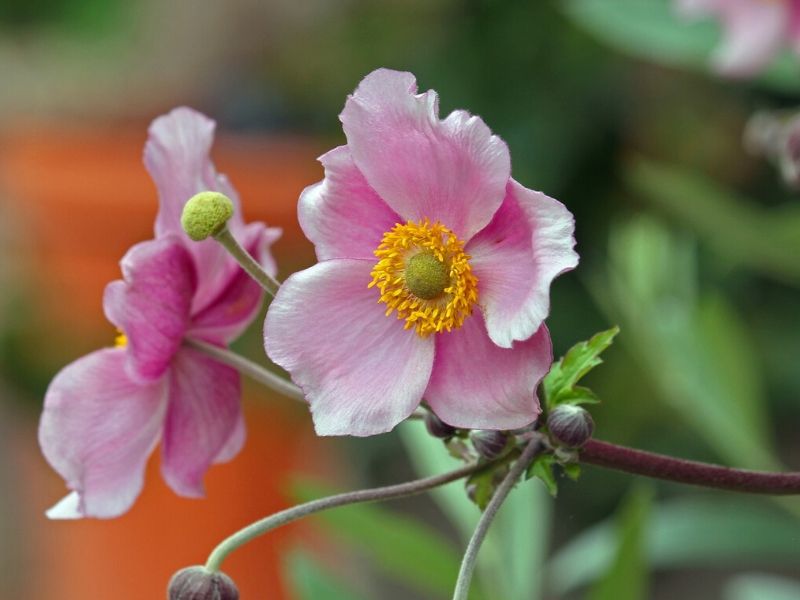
column 490, row 444
column 198, row 583
column 205, row 214
column 438, row 428
column 570, row 425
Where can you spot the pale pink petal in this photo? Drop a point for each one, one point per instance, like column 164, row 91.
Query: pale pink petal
column 342, row 215
column 204, row 412
column 178, row 156
column 235, row 442
column 453, row 171
column 476, row 384
column 97, row 430
column 794, row 25
column 240, row 299
column 151, row 305
column 360, row 370
column 753, row 32
column 516, row 257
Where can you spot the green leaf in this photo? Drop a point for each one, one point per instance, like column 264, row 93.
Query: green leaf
column 733, row 226
column 694, row 348
column 485, row 483
column 572, row 470
column 706, row 532
column 311, row 582
column 626, row 579
column 652, row 29
column 400, row 546
column 559, row 383
column 542, row 469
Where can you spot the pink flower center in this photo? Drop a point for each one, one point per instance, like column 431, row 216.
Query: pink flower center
column 424, row 275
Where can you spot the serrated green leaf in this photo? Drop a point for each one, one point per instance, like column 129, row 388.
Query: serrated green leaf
column 578, row 395
column 542, row 469
column 559, row 383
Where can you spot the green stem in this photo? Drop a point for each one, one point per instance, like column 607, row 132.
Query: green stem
column 283, row 517
column 249, row 368
column 461, row 591
column 247, row 262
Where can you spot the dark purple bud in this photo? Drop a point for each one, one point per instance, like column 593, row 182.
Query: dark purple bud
column 198, row 583
column 437, row 427
column 489, row 444
column 570, row 425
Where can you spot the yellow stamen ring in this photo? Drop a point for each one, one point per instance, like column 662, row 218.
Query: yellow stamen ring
column 424, row 275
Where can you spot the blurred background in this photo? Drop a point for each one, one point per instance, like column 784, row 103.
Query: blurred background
column 687, row 242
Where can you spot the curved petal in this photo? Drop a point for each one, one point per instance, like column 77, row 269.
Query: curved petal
column 151, row 306
column 753, row 32
column 527, row 245
column 204, row 412
column 453, row 171
column 178, row 157
column 225, row 317
column 360, row 370
column 97, row 430
column 478, row 385
column 342, row 215
column 235, row 442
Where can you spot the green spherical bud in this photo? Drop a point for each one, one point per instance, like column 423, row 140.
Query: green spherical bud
column 426, row 276
column 205, row 214
column 198, row 583
column 570, row 425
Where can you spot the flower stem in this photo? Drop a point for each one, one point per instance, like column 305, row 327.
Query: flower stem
column 249, row 368
column 283, row 517
column 639, row 462
column 461, row 591
column 247, row 262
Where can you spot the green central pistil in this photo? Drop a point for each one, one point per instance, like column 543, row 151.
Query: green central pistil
column 426, row 276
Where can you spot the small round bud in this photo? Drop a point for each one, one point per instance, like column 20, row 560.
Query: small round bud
column 490, row 444
column 438, row 428
column 205, row 214
column 570, row 425
column 198, row 583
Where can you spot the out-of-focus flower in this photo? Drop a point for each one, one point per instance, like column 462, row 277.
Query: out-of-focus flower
column 104, row 413
column 754, row 31
column 465, row 258
column 775, row 135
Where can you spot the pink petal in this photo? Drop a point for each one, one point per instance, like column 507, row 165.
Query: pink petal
column 753, row 32
column 97, row 430
column 453, row 171
column 516, row 257
column 235, row 442
column 478, row 385
column 342, row 215
column 151, row 306
column 177, row 155
column 360, row 370
column 204, row 412
column 240, row 298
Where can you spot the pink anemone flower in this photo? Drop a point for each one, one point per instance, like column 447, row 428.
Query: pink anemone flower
column 754, row 31
column 105, row 413
column 434, row 273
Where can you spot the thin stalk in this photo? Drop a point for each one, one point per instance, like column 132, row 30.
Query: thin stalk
column 247, row 262
column 649, row 464
column 249, row 368
column 283, row 517
column 461, row 591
